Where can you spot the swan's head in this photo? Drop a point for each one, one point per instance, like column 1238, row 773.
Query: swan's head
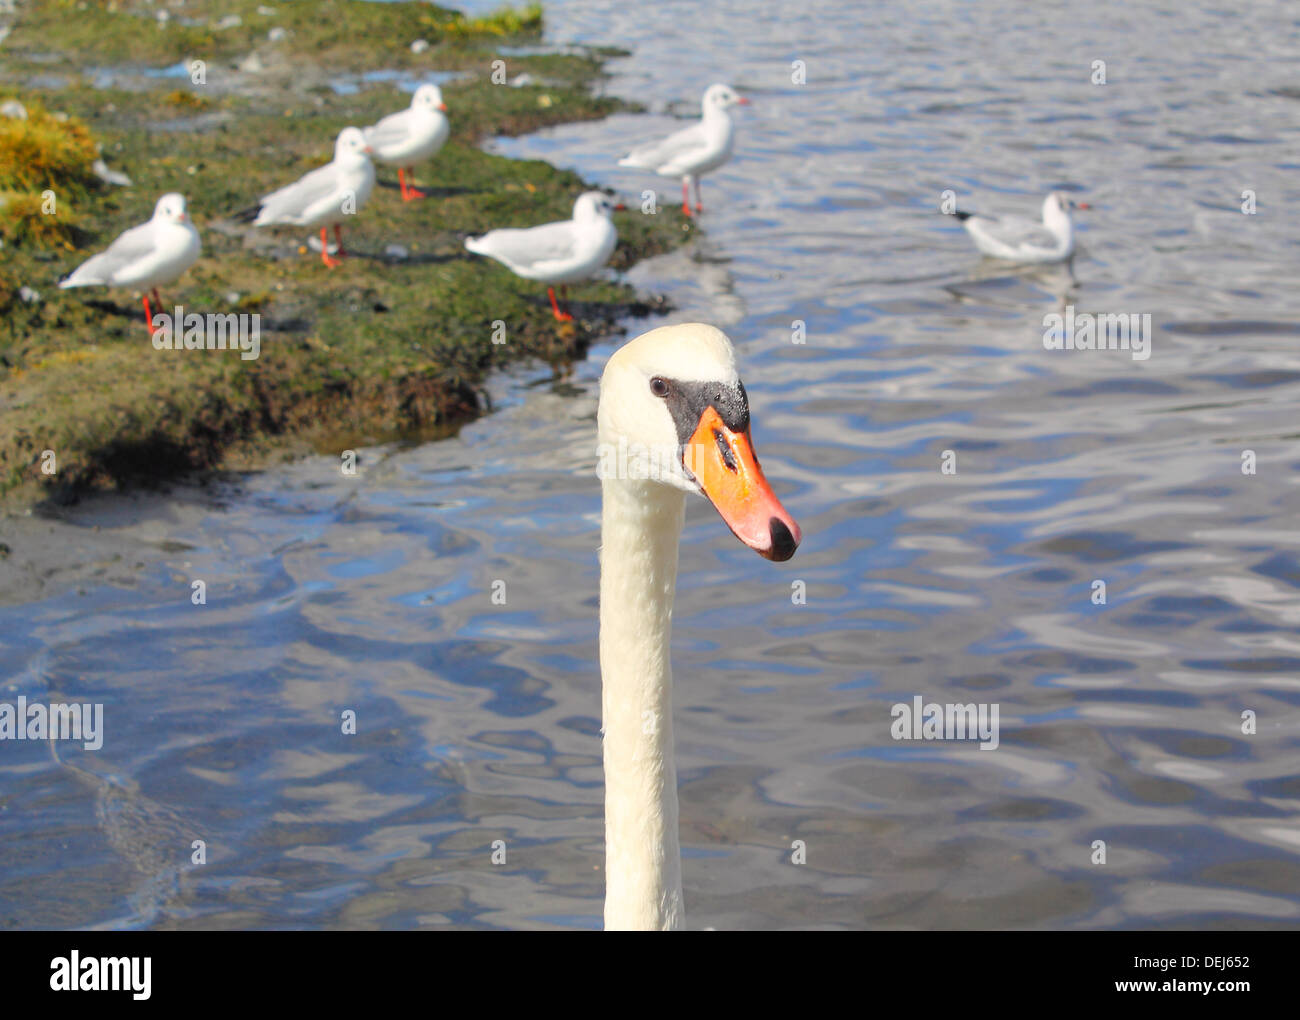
column 351, row 145
column 171, row 208
column 591, row 204
column 1057, row 206
column 722, row 97
column 674, row 412
column 428, row 97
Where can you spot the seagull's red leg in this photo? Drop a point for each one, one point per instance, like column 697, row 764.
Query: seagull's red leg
column 699, row 196
column 148, row 316
column 338, row 242
column 325, row 248
column 559, row 315
column 686, row 196
column 409, row 192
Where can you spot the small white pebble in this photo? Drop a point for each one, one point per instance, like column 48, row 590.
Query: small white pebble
column 419, row 46
column 266, row 12
column 396, row 251
column 163, row 17
column 230, row 21
column 276, row 34
column 232, row 298
column 13, row 108
column 29, row 295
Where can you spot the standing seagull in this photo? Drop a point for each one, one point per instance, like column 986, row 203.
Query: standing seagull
column 145, row 256
column 1022, row 240
column 411, row 136
column 694, row 151
column 326, row 195
column 562, row 252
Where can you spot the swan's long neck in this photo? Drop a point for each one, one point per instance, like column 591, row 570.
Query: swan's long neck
column 641, row 524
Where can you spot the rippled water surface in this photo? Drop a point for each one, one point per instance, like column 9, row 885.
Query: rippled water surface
column 478, row 722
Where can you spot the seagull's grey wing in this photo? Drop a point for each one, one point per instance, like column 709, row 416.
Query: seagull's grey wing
column 294, row 199
column 668, row 150
column 1017, row 231
column 550, row 242
column 392, row 130
column 131, row 247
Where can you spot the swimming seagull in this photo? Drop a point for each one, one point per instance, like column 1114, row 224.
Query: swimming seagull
column 562, row 252
column 411, row 136
column 1022, row 240
column 325, row 196
column 696, row 150
column 145, row 256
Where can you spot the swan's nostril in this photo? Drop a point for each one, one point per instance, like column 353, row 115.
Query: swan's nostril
column 728, row 458
column 783, row 543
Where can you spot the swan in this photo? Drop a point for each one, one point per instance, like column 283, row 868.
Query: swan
column 411, row 136
column 1017, row 239
column 153, row 253
column 673, row 418
column 563, row 252
column 694, row 151
column 325, row 196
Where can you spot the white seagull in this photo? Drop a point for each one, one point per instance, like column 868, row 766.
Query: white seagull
column 1017, row 239
column 327, row 195
column 145, row 256
column 562, row 252
column 696, row 150
column 411, row 136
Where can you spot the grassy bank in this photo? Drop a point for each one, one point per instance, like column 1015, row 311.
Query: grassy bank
column 398, row 338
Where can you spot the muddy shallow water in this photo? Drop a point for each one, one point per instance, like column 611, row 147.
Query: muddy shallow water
column 479, row 722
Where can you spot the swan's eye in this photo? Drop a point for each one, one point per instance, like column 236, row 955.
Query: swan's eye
column 659, row 387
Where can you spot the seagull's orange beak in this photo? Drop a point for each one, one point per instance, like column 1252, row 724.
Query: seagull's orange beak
column 743, row 101
column 620, row 207
column 725, row 467
column 442, row 107
column 368, row 150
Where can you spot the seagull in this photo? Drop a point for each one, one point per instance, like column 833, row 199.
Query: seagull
column 562, row 252
column 145, row 256
column 326, row 195
column 696, row 150
column 411, row 136
column 1021, row 240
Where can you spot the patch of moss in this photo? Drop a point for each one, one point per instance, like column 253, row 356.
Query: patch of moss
column 504, row 21
column 346, row 34
column 46, row 161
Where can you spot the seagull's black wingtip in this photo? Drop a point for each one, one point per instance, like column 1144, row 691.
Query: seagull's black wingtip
column 963, row 215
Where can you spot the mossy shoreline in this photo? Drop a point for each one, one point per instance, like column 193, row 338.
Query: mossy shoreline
column 396, row 341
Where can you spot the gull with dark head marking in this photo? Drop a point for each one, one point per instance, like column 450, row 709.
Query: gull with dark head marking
column 153, row 253
column 411, row 136
column 1017, row 239
column 563, row 252
column 694, row 151
column 326, row 196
